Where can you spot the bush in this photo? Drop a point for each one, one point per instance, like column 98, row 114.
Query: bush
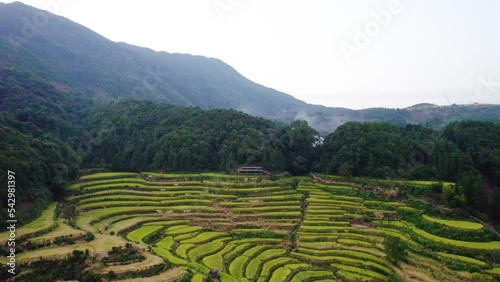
column 290, row 184
column 111, row 275
column 89, row 236
column 367, row 218
column 395, row 249
column 187, row 277
column 394, row 278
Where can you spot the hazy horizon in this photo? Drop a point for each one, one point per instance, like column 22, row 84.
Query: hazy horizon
column 352, row 54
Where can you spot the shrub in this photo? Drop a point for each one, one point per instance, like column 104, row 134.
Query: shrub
column 89, row 236
column 111, row 275
column 395, row 249
column 290, row 184
column 187, row 277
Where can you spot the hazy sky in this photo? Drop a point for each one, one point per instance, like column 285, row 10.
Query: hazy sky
column 348, row 53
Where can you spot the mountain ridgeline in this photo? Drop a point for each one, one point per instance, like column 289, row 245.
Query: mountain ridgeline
column 76, row 59
column 71, row 99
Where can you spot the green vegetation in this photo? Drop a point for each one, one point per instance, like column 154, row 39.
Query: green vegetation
column 306, row 275
column 71, row 268
column 462, row 259
column 107, row 175
column 374, row 140
column 273, row 264
column 186, row 145
column 54, row 122
column 196, row 253
column 455, row 223
column 61, row 125
column 495, row 271
column 182, row 250
column 311, row 232
column 214, row 262
column 138, row 234
column 285, row 271
column 166, row 243
column 236, row 268
column 169, row 256
column 45, row 222
column 203, row 237
column 465, row 153
column 183, row 230
column 395, row 249
column 362, row 272
column 493, row 246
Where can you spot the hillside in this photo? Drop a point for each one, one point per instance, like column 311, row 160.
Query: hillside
column 161, row 227
column 78, row 60
column 74, row 57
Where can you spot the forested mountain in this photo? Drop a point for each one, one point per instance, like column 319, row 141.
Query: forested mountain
column 49, row 135
column 170, row 138
column 40, row 127
column 466, row 153
column 480, row 141
column 78, row 60
column 385, row 150
column 73, row 57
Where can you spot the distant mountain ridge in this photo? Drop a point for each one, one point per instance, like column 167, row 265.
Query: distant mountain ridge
column 75, row 59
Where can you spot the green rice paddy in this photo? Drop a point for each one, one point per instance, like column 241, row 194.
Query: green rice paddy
column 253, row 230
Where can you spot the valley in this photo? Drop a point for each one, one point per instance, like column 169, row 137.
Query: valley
column 251, row 228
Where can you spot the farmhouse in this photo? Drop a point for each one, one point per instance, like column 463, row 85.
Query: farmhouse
column 253, row 170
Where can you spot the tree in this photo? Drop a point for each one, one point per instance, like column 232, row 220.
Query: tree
column 301, row 139
column 290, row 184
column 187, row 276
column 345, row 170
column 495, row 205
column 472, row 186
column 111, row 275
column 300, row 165
column 89, row 236
column 395, row 249
column 453, row 196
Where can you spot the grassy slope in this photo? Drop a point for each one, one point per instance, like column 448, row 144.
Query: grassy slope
column 201, row 240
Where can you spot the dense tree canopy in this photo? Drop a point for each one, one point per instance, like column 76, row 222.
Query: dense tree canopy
column 463, row 152
column 385, row 150
column 139, row 135
column 480, row 141
column 395, row 249
column 39, row 129
column 49, row 132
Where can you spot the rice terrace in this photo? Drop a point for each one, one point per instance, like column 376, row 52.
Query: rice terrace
column 202, row 227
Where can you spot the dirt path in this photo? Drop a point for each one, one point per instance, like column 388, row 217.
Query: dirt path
column 303, row 210
column 352, row 184
column 173, row 274
column 150, row 260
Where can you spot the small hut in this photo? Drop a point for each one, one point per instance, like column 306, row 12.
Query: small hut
column 253, row 170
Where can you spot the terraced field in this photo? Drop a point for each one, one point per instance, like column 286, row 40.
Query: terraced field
column 455, row 223
column 251, row 229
